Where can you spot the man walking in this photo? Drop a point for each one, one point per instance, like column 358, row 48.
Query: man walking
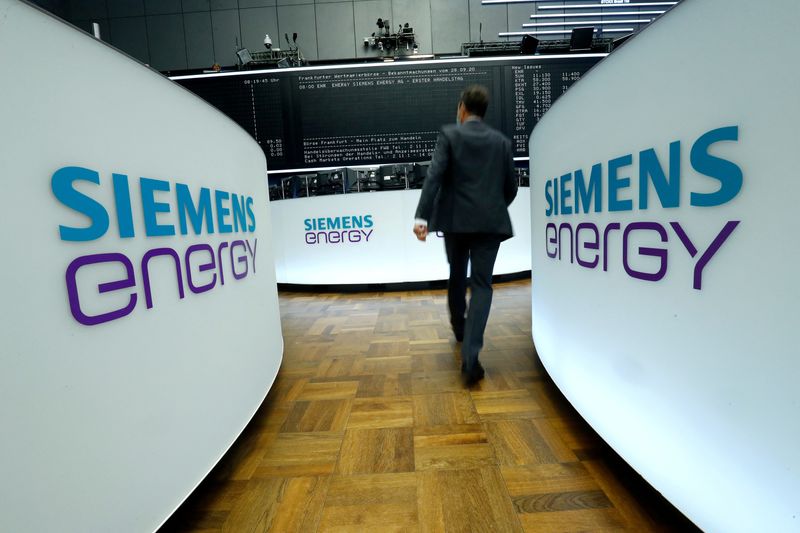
column 466, row 194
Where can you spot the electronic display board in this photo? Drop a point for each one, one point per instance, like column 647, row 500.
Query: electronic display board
column 366, row 114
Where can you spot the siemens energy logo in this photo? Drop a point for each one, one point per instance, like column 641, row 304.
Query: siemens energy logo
column 199, row 266
column 580, row 193
column 338, row 230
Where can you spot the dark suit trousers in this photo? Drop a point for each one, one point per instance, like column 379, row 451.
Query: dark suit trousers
column 481, row 251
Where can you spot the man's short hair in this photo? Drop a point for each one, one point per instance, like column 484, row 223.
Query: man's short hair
column 475, row 99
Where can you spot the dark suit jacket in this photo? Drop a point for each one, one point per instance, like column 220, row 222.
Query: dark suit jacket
column 470, row 182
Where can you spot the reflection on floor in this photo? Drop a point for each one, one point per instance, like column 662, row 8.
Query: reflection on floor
column 369, row 428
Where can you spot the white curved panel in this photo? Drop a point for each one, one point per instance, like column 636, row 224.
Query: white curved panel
column 131, row 358
column 367, row 238
column 681, row 351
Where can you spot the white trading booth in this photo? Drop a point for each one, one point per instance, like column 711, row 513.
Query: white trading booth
column 665, row 299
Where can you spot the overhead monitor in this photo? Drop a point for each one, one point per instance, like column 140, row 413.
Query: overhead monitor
column 244, row 56
column 528, row 45
column 581, row 39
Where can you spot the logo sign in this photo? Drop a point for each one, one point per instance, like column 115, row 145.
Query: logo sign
column 227, row 213
column 664, row 252
column 580, row 192
column 352, row 229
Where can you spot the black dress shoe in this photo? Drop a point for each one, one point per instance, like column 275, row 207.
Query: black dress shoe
column 477, row 374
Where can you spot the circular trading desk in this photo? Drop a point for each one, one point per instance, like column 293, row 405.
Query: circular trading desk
column 362, row 238
column 666, row 309
column 132, row 354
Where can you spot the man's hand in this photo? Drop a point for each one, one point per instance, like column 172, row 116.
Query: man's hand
column 421, row 231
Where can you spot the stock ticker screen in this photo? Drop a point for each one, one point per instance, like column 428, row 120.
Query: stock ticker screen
column 382, row 113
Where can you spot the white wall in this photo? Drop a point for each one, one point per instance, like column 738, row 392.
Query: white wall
column 108, row 427
column 175, row 35
column 696, row 387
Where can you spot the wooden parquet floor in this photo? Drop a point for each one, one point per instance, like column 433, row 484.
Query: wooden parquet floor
column 369, row 428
